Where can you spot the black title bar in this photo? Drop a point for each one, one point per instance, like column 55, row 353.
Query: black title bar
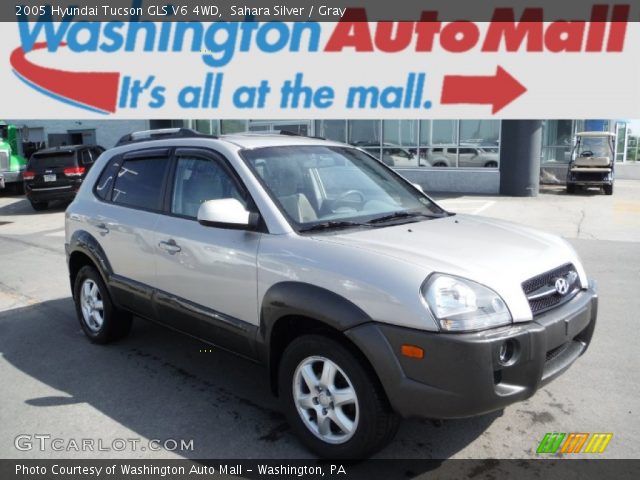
column 318, row 11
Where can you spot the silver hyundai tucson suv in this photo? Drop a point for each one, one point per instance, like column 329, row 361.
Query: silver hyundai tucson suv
column 365, row 300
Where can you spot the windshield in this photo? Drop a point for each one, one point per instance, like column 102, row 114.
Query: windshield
column 336, row 186
column 594, row 147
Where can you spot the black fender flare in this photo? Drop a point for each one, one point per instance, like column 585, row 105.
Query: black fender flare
column 286, row 299
column 83, row 242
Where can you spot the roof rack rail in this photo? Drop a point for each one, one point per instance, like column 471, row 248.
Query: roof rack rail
column 161, row 134
column 296, row 134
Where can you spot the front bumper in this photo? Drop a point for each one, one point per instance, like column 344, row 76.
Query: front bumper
column 461, row 374
column 11, row 177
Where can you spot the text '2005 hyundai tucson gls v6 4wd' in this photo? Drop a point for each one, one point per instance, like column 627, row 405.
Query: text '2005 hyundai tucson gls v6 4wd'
column 366, row 301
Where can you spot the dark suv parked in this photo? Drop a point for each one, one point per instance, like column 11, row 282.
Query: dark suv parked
column 57, row 173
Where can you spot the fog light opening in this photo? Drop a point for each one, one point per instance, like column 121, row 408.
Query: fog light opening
column 506, row 352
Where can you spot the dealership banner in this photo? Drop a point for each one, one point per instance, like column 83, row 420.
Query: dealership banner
column 319, row 60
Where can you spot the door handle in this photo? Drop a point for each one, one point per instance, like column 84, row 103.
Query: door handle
column 170, row 246
column 102, row 228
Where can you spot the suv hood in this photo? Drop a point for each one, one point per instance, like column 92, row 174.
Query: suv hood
column 495, row 253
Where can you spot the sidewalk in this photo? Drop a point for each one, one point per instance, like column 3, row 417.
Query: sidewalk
column 585, row 215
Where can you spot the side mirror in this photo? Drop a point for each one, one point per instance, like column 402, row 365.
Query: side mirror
column 418, row 186
column 226, row 213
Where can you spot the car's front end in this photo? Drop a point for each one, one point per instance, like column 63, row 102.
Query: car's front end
column 500, row 311
column 461, row 374
column 466, row 314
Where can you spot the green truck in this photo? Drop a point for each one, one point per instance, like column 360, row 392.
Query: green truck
column 12, row 159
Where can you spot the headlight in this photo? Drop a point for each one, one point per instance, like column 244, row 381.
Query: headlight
column 462, row 305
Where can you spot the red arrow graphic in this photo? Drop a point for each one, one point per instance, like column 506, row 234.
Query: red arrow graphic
column 498, row 90
column 98, row 90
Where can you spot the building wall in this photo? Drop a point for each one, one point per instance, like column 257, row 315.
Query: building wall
column 485, row 182
column 107, row 132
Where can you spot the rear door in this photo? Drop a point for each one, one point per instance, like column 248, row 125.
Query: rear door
column 207, row 276
column 132, row 188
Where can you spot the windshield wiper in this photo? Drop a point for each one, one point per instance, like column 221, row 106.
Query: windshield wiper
column 398, row 215
column 332, row 224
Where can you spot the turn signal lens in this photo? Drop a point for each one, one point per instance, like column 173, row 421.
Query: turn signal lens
column 412, row 351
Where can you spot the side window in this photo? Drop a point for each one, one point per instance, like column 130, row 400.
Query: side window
column 138, row 183
column 85, row 158
column 95, row 153
column 198, row 180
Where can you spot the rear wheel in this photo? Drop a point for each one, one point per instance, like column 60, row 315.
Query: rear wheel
column 608, row 189
column 39, row 206
column 331, row 400
column 100, row 320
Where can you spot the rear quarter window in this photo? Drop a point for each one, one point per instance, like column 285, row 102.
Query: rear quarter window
column 105, row 182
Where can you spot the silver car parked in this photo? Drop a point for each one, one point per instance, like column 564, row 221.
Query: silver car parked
column 366, row 300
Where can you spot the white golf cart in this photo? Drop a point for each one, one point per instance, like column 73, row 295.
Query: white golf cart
column 592, row 162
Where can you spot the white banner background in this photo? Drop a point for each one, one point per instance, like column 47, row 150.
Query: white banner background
column 560, row 85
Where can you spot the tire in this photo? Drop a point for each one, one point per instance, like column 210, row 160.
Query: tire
column 439, row 164
column 101, row 325
column 571, row 188
column 367, row 422
column 491, row 164
column 608, row 189
column 39, row 206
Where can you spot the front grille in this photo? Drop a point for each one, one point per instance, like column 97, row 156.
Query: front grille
column 590, row 176
column 541, row 290
column 4, row 160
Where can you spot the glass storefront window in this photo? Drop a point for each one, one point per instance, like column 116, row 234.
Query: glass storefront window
column 479, row 144
column 441, row 143
column 204, row 126
column 233, row 126
column 332, row 129
column 557, row 141
column 400, row 143
column 444, row 132
column 621, row 140
column 364, row 133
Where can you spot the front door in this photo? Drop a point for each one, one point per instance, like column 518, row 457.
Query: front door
column 207, row 276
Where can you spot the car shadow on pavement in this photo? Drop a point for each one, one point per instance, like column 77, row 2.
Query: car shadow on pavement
column 22, row 207
column 561, row 190
column 164, row 385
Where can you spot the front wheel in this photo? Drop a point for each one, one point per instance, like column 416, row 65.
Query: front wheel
column 608, row 189
column 100, row 320
column 334, row 403
column 571, row 188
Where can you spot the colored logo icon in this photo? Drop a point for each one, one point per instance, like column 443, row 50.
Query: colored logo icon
column 574, row 442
